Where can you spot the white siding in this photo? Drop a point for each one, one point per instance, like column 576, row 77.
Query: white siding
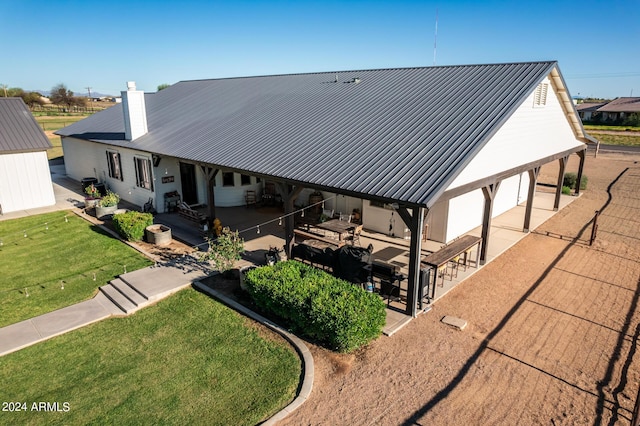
column 531, row 133
column 465, row 211
column 88, row 159
column 25, row 181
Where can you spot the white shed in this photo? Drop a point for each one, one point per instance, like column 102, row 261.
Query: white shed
column 25, row 179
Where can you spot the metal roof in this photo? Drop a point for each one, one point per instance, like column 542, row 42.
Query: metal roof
column 622, row 105
column 19, row 131
column 392, row 134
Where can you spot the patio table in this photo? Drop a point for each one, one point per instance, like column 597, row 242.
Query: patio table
column 340, row 227
column 443, row 256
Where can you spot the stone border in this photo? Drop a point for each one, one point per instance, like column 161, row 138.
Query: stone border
column 304, row 353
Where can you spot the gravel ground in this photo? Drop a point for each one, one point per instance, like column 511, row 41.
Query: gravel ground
column 553, row 326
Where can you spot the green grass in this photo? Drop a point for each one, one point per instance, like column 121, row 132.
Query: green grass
column 56, row 123
column 186, row 360
column 624, row 140
column 68, row 253
column 614, row 128
column 53, row 123
column 56, row 151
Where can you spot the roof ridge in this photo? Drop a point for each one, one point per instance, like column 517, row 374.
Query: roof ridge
column 370, row 70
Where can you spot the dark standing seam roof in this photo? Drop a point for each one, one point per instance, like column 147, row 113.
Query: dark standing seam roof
column 398, row 134
column 19, row 131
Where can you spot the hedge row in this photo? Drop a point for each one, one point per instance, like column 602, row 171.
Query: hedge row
column 131, row 225
column 332, row 311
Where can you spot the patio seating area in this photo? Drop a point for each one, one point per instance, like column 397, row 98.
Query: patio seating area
column 393, row 252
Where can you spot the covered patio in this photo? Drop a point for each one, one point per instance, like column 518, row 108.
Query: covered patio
column 506, row 230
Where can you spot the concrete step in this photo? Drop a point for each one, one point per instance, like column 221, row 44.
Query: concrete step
column 118, row 298
column 129, row 292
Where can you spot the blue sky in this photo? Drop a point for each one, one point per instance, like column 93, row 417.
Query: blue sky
column 103, row 44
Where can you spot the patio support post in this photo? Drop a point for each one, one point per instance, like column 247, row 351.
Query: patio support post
column 533, row 181
column 489, row 193
column 563, row 166
column 210, row 173
column 289, row 195
column 582, row 154
column 414, row 222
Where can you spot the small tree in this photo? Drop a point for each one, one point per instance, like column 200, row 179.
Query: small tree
column 163, row 86
column 224, row 251
column 60, row 95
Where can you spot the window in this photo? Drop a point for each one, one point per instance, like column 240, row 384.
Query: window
column 380, row 204
column 227, row 179
column 143, row 173
column 113, row 161
column 245, row 180
column 540, row 95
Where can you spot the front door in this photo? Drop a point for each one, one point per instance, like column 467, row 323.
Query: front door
column 189, row 186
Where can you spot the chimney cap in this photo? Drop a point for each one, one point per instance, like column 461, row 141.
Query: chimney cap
column 131, row 85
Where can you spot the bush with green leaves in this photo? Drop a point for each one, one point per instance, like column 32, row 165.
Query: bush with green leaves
column 566, row 190
column 334, row 312
column 224, row 250
column 570, row 180
column 131, row 225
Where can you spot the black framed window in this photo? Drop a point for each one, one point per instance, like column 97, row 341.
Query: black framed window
column 113, row 161
column 227, row 179
column 143, row 173
column 245, row 180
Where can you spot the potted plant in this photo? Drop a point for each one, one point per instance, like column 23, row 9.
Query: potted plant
column 107, row 205
column 92, row 197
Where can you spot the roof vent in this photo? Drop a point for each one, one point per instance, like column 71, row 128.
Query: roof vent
column 356, row 80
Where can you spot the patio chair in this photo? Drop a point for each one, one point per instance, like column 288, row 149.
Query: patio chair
column 250, row 197
column 345, row 217
column 355, row 236
column 328, row 213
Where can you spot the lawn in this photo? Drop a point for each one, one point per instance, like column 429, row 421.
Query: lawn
column 53, row 123
column 632, row 139
column 186, row 360
column 55, row 264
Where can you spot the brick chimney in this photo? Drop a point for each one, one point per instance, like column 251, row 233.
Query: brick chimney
column 135, row 112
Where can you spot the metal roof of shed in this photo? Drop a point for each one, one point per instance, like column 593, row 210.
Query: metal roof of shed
column 19, row 131
column 392, row 134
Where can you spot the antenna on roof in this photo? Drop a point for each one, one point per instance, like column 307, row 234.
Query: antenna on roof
column 435, row 40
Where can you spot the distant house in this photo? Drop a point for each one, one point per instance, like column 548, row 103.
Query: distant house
column 25, row 179
column 614, row 111
column 619, row 108
column 449, row 147
column 586, row 110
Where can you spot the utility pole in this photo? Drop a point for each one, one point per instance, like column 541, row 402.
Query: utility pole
column 90, row 100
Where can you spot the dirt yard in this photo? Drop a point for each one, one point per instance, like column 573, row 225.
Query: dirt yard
column 553, row 327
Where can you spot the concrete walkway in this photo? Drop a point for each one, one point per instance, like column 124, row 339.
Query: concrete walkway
column 123, row 296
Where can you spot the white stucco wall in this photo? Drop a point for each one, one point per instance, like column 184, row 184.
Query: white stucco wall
column 25, row 181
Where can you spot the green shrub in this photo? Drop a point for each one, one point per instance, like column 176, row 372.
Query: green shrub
column 570, row 180
column 566, row 190
column 334, row 312
column 131, row 225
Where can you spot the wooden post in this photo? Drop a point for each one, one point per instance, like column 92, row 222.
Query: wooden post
column 414, row 222
column 289, row 194
column 489, row 193
column 582, row 155
column 210, row 175
column 563, row 165
column 533, row 180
